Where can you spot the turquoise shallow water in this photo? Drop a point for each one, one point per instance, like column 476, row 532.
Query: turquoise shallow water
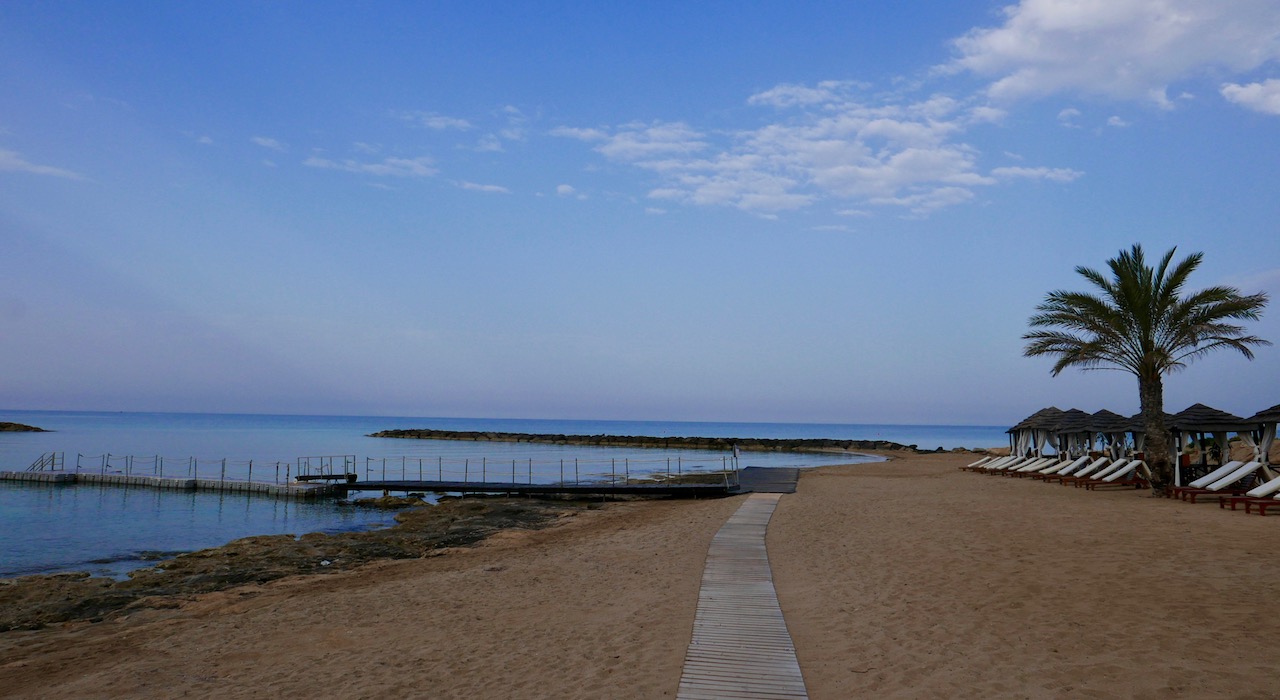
column 111, row 530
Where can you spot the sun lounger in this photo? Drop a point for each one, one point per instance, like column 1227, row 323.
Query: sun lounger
column 979, row 463
column 1268, row 491
column 1263, row 504
column 1081, row 470
column 1206, row 479
column 1007, row 463
column 1190, row 494
column 992, row 464
column 1057, row 467
column 1031, row 466
column 1068, row 469
column 1132, row 474
column 1101, row 473
column 1084, row 472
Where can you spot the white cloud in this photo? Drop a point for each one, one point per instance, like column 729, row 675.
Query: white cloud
column 1117, row 122
column 1129, row 49
column 10, row 161
column 788, row 95
column 205, row 141
column 654, row 211
column 1261, row 97
column 388, row 167
column 434, row 121
column 580, row 134
column 1051, row 174
column 637, row 141
column 270, row 143
column 494, row 189
column 565, row 190
column 829, row 145
column 1068, row 116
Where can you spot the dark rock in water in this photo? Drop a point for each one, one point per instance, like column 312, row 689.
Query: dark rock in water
column 19, row 428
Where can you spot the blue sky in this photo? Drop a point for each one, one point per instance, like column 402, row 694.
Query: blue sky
column 821, row 212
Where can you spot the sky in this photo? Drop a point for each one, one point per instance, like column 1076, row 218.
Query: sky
column 779, row 212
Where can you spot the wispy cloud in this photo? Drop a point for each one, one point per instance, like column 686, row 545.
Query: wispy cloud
column 1260, row 97
column 11, row 161
column 434, row 121
column 1051, row 174
column 1128, row 49
column 475, row 187
column 387, row 167
column 270, row 143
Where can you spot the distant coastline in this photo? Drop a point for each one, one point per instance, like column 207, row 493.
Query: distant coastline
column 686, row 443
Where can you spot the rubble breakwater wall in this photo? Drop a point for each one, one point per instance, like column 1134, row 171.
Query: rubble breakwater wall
column 683, row 443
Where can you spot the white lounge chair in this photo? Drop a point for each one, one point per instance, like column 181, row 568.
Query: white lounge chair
column 1190, row 494
column 1207, row 478
column 1084, row 472
column 1269, row 490
column 1102, row 473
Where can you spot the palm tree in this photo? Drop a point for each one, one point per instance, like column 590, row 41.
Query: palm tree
column 1142, row 324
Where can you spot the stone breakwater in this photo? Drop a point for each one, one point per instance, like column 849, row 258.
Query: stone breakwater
column 686, row 443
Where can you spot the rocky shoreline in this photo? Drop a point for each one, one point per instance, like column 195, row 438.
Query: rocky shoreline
column 7, row 427
column 687, row 443
column 32, row 602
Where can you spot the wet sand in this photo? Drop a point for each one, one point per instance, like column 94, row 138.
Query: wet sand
column 902, row 579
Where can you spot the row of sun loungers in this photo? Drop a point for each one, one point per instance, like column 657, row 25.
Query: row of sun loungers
column 1253, row 484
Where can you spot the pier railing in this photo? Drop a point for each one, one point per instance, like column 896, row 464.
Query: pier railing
column 49, row 462
column 614, row 472
column 576, row 472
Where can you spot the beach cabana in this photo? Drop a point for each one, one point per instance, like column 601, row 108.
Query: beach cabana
column 1194, row 423
column 1073, row 433
column 1113, row 429
column 1261, row 441
column 1043, row 426
column 1031, row 435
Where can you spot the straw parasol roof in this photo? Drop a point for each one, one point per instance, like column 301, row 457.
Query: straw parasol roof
column 1074, row 421
column 1105, row 421
column 1267, row 415
column 1199, row 418
column 1044, row 419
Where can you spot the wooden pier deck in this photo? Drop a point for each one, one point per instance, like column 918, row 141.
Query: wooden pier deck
column 741, row 647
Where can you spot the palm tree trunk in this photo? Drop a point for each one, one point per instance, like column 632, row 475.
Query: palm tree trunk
column 1151, row 390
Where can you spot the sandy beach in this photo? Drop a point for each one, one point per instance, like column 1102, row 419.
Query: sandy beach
column 902, row 579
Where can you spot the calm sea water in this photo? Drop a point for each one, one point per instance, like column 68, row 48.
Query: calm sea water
column 111, row 530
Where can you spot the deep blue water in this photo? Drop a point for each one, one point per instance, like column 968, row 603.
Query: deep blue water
column 110, row 530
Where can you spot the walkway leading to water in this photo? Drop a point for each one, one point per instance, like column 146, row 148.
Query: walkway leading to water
column 740, row 646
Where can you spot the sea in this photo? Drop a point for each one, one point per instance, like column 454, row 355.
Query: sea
column 111, row 530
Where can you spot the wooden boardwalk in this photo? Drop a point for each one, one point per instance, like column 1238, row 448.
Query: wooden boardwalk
column 740, row 646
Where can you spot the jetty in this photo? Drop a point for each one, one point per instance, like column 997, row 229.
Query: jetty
column 337, row 476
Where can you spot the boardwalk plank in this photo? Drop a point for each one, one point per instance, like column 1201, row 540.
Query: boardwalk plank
column 740, row 646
